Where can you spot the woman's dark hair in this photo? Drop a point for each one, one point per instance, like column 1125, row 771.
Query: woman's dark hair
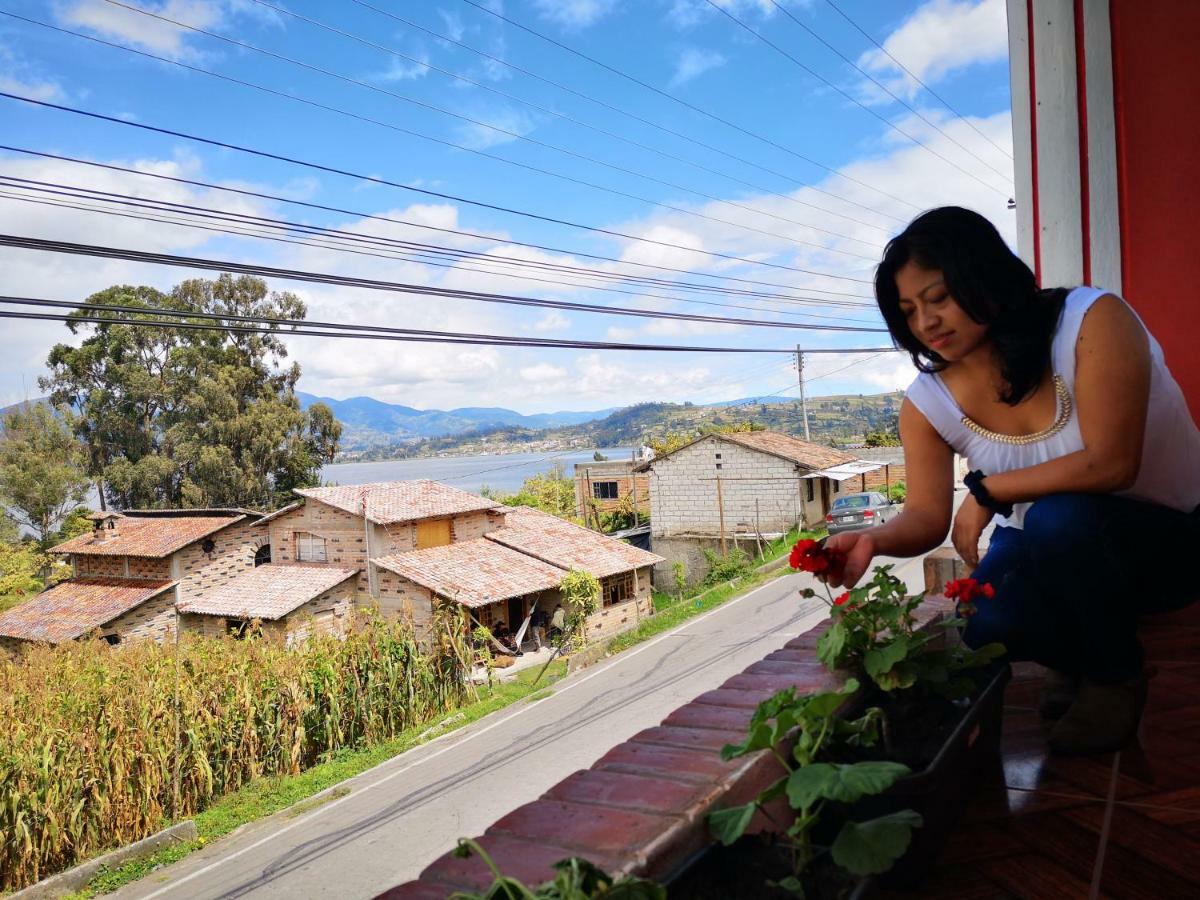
column 991, row 284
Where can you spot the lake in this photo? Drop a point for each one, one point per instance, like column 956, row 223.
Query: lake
column 504, row 472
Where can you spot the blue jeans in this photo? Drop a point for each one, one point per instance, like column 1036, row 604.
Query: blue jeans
column 1071, row 585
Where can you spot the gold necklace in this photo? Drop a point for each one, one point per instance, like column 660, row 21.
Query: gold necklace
column 1064, row 416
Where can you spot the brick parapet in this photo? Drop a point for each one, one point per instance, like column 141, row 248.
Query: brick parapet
column 642, row 808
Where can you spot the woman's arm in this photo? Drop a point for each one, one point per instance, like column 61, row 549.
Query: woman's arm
column 1112, row 394
column 929, row 478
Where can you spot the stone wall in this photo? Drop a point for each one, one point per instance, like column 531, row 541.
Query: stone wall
column 345, row 537
column 612, row 620
column 755, row 488
column 330, row 613
column 154, row 619
column 122, row 566
column 232, row 554
column 400, row 597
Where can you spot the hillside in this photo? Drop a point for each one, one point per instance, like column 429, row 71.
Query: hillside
column 369, row 423
column 839, row 419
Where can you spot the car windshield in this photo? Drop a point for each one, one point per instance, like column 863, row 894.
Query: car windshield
column 859, row 501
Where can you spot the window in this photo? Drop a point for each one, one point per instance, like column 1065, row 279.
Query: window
column 718, row 465
column 718, row 456
column 310, row 547
column 618, row 589
column 237, row 628
column 837, row 486
column 810, row 491
column 854, row 501
column 604, row 490
column 262, row 555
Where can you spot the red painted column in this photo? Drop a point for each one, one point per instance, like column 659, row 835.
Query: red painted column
column 1156, row 86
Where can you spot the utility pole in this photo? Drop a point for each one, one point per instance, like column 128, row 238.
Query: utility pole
column 803, row 398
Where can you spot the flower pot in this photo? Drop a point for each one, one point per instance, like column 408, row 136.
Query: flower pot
column 942, row 789
column 742, row 871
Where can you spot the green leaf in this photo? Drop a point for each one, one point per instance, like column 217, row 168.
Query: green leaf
column 868, row 848
column 831, row 644
column 727, row 825
column 792, row 885
column 902, row 675
column 881, row 659
column 822, row 706
column 844, row 783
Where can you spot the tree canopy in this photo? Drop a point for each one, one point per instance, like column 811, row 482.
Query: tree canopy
column 43, row 475
column 179, row 417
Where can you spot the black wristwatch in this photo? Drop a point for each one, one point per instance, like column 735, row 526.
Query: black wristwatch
column 974, row 484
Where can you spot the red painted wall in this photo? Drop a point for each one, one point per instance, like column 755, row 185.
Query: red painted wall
column 1156, row 82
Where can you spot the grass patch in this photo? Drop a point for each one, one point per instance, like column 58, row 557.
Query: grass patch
column 670, row 611
column 270, row 795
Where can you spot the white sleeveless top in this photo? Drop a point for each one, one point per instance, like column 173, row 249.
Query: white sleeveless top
column 1170, row 469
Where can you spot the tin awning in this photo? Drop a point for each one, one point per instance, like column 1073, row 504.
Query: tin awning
column 842, row 471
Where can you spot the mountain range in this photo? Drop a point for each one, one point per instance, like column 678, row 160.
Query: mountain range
column 368, row 422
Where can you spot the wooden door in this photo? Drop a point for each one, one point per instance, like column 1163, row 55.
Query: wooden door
column 433, row 533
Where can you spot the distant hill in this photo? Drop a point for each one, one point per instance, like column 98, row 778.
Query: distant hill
column 841, row 419
column 372, row 423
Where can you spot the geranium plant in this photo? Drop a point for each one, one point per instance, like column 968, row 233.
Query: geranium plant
column 814, row 779
column 874, row 629
column 574, row 879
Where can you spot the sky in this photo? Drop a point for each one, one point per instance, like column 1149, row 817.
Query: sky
column 799, row 160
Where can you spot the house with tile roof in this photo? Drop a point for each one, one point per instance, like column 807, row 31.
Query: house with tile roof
column 132, row 571
column 728, row 490
column 414, row 544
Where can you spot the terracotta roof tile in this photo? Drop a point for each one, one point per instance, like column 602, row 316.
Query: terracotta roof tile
column 268, row 592
column 73, row 608
column 474, row 573
column 568, row 546
column 784, row 445
column 153, row 536
column 393, row 502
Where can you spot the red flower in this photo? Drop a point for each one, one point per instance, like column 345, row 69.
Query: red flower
column 839, row 601
column 810, row 556
column 965, row 590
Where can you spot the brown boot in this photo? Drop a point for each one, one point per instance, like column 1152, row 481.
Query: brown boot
column 1059, row 691
column 1103, row 718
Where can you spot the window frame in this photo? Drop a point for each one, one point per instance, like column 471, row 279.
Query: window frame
column 302, row 539
column 618, row 589
column 600, row 490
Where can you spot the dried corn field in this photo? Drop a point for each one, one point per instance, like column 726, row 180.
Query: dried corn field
column 88, row 735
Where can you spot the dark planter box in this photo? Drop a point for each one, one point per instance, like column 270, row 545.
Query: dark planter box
column 742, row 872
column 940, row 792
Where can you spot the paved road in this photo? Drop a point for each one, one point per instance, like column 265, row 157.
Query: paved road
column 405, row 813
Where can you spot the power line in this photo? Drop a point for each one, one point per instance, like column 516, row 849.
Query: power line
column 538, row 170
column 419, row 258
column 913, row 76
column 304, row 328
column 884, row 119
column 616, row 109
column 681, row 101
column 458, row 232
column 373, row 179
column 168, row 259
column 545, row 110
column 920, row 115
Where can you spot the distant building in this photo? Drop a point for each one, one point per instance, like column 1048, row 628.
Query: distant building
column 733, row 489
column 132, row 570
column 601, row 487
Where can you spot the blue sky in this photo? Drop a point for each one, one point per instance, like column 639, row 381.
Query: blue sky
column 871, row 179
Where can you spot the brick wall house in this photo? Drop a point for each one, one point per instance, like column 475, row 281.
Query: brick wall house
column 132, row 571
column 605, row 486
column 738, row 486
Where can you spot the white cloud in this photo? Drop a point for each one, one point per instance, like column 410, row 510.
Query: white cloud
column 542, row 372
column 454, row 24
column 17, row 77
column 552, row 321
column 574, row 14
column 403, row 70
column 508, row 124
column 941, row 37
column 156, row 35
column 694, row 62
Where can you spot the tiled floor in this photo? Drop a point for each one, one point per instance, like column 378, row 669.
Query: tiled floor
column 1125, row 825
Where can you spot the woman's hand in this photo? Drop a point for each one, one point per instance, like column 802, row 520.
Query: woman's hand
column 859, row 549
column 968, row 527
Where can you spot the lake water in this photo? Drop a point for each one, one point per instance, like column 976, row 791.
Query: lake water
column 504, row 472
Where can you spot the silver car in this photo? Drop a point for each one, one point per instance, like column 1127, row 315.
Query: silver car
column 854, row 511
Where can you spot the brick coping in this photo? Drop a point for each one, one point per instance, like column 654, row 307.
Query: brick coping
column 642, row 808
